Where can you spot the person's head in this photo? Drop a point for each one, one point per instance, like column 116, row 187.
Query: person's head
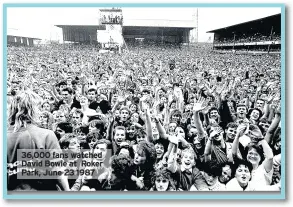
column 162, row 180
column 146, row 155
column 46, row 106
column 159, row 150
column 23, row 109
column 254, row 133
column 241, row 111
column 243, row 171
column 180, row 131
column 260, row 104
column 63, row 128
column 83, row 100
column 77, row 116
column 163, row 99
column 227, row 172
column 211, row 172
column 140, row 135
column 175, row 116
column 62, row 85
column 92, row 94
column 254, row 114
column 70, row 142
column 74, row 84
column 231, row 131
column 255, row 154
column 122, row 166
column 67, row 94
column 220, row 136
column 172, row 127
column 264, row 124
column 101, row 147
column 119, row 135
column 97, row 126
column 46, row 117
column 92, row 138
column 60, row 116
column 214, row 113
column 131, row 132
column 188, row 158
column 133, row 108
column 135, row 117
column 124, row 114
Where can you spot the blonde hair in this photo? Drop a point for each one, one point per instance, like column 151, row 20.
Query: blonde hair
column 23, row 109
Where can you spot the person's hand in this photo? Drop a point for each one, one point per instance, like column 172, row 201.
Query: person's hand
column 216, row 133
column 200, row 104
column 241, row 129
column 139, row 182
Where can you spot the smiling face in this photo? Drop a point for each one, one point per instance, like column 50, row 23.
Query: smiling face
column 119, row 136
column 254, row 115
column 231, row 133
column 159, row 150
column 260, row 104
column 214, row 114
column 83, row 101
column 253, row 157
column 241, row 112
column 242, row 175
column 187, row 160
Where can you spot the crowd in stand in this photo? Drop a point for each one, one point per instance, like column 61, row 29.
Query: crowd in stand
column 169, row 118
column 257, row 37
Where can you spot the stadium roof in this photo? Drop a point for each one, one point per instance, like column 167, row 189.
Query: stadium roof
column 140, row 23
column 270, row 19
column 20, row 33
column 99, row 27
column 159, row 23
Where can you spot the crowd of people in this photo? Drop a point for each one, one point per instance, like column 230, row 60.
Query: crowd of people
column 247, row 38
column 169, row 118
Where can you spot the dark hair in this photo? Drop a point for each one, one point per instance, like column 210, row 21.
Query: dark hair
column 62, row 83
column 93, row 135
column 213, row 109
column 242, row 162
column 69, row 90
column 122, row 166
column 163, row 173
column 98, row 124
column 258, row 149
column 73, row 82
column 65, row 126
column 150, row 152
column 92, row 89
column 78, row 111
column 231, row 125
column 251, row 110
column 81, row 129
column 211, row 167
column 103, row 141
column 66, row 139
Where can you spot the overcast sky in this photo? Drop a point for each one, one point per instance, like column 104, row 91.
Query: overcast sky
column 39, row 22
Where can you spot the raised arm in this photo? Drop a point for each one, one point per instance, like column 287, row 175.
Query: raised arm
column 199, row 105
column 268, row 152
column 239, row 133
column 148, row 126
column 273, row 126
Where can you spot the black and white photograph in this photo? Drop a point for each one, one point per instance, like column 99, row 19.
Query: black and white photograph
column 143, row 99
